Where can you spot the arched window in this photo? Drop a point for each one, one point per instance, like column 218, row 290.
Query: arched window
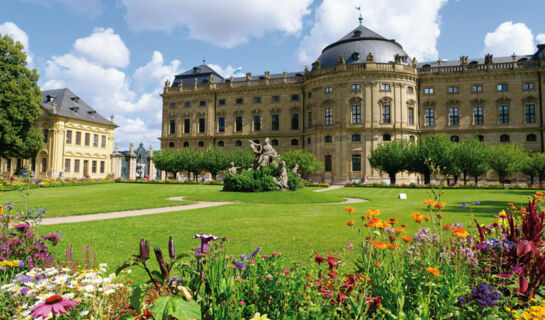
column 356, row 137
column 171, row 144
column 309, row 141
column 238, row 143
column 220, row 144
column 201, row 144
column 504, row 138
column 454, row 139
column 186, row 144
column 294, row 142
column 480, row 137
column 411, row 138
column 274, row 142
column 531, row 137
column 386, row 137
column 328, row 139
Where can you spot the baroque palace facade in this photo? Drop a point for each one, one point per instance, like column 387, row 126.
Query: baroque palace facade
column 78, row 141
column 362, row 91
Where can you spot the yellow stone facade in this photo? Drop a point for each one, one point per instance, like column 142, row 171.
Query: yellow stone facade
column 341, row 111
column 74, row 148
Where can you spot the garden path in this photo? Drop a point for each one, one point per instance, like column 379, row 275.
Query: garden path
column 141, row 212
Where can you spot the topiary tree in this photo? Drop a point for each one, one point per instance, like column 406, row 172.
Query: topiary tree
column 242, row 158
column 193, row 161
column 19, row 103
column 165, row 160
column 307, row 162
column 215, row 160
column 471, row 157
column 427, row 154
column 534, row 166
column 528, row 168
column 506, row 159
column 390, row 157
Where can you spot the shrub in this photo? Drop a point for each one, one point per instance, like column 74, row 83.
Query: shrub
column 251, row 181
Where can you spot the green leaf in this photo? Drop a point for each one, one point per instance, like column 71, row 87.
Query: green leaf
column 175, row 307
column 137, row 298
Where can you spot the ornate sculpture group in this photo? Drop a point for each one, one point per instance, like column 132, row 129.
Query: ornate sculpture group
column 265, row 155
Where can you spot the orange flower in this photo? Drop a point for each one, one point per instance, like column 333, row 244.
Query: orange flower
column 380, row 245
column 418, row 220
column 392, row 246
column 439, row 205
column 393, row 220
column 406, row 238
column 400, row 230
column 434, row 271
column 460, row 232
column 403, row 225
column 349, row 209
column 377, row 264
column 447, row 227
column 350, row 223
column 429, row 202
column 439, row 215
column 377, row 223
column 392, row 238
column 416, row 215
column 373, row 212
column 427, row 218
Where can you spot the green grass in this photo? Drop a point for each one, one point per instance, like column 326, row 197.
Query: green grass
column 296, row 230
column 78, row 200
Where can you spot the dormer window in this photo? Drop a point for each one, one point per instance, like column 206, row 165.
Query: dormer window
column 355, row 56
column 357, row 34
column 74, row 109
column 50, row 98
column 92, row 113
column 75, row 99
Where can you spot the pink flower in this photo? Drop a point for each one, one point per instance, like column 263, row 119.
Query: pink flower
column 265, row 256
column 328, row 294
column 274, row 253
column 299, row 261
column 503, row 275
column 241, row 303
column 56, row 304
column 252, row 262
column 286, row 271
column 350, row 245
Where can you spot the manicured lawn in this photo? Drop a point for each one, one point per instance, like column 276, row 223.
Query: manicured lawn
column 296, row 230
column 78, row 200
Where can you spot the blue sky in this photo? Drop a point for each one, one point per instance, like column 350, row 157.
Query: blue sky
column 116, row 54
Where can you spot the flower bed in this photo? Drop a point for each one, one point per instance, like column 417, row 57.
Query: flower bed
column 16, row 183
column 169, row 181
column 456, row 186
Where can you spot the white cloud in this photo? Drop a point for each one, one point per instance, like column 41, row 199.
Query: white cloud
column 540, row 38
column 225, row 23
column 12, row 30
column 227, row 71
column 109, row 91
column 105, row 47
column 413, row 23
column 509, row 38
column 155, row 71
column 85, row 7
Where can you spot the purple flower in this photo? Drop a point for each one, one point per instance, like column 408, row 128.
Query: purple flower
column 477, row 203
column 21, row 278
column 254, row 253
column 239, row 265
column 24, row 291
column 517, row 270
column 504, row 275
column 464, row 205
column 204, row 241
column 23, row 227
column 350, row 245
column 484, row 295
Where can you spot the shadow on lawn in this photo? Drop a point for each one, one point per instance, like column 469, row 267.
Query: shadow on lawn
column 487, row 209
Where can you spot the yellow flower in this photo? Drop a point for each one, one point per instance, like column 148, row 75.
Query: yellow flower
column 380, row 245
column 460, row 233
column 258, row 316
column 429, row 202
column 417, row 216
column 349, row 209
column 373, row 212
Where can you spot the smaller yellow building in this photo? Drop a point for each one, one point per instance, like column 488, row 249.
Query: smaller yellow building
column 78, row 140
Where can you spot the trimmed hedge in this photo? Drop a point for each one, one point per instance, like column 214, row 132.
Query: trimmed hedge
column 258, row 181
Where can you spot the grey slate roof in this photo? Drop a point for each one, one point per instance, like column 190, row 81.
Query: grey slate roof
column 357, row 44
column 449, row 63
column 201, row 73
column 71, row 106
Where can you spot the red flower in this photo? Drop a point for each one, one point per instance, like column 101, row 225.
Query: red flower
column 318, row 258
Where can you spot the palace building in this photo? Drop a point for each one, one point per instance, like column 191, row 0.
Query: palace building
column 363, row 90
column 78, row 141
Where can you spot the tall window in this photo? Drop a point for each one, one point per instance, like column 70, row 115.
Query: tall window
column 356, row 162
column 356, row 87
column 221, row 124
column 327, row 163
column 528, row 86
column 172, row 106
column 477, row 88
column 328, row 116
column 187, row 125
column 239, row 101
column 309, row 119
column 356, row 114
column 411, row 116
column 257, row 123
column 94, row 166
column 454, row 118
column 428, row 90
column 295, row 121
column 201, row 124
column 410, row 90
column 69, row 136
column 328, row 90
column 328, row 139
column 172, row 126
column 44, row 164
column 386, row 116
column 295, row 97
column 503, row 114
column 530, row 113
column 275, row 122
column 66, row 165
column 76, row 166
column 221, row 102
column 87, row 139
column 103, row 142
column 385, row 87
column 202, row 103
column 531, row 137
column 95, row 140
column 502, row 87
column 452, row 89
column 478, row 115
column 275, row 98
column 45, row 133
column 78, row 137
column 257, row 99
column 356, row 137
column 102, row 166
column 430, row 117
column 187, row 104
column 238, row 123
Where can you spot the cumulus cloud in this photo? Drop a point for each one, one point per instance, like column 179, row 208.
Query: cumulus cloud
column 509, row 38
column 110, row 91
column 105, row 47
column 227, row 71
column 224, row 23
column 154, row 71
column 85, row 7
column 413, row 23
column 12, row 30
column 540, row 38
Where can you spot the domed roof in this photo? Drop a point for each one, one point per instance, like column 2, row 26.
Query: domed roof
column 356, row 45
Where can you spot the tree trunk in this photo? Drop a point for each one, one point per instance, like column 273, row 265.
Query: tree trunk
column 392, row 178
column 448, row 181
column 476, row 181
column 465, row 178
column 531, row 180
column 214, row 174
column 427, row 178
column 456, row 179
